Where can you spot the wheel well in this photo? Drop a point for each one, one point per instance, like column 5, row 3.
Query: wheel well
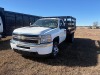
column 56, row 39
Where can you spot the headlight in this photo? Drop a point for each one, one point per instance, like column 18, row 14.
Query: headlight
column 46, row 38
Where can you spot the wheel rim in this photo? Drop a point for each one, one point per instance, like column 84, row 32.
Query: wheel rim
column 55, row 50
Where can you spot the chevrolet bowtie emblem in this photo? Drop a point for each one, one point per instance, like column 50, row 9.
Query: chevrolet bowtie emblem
column 21, row 37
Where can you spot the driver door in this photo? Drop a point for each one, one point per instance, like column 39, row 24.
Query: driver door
column 62, row 31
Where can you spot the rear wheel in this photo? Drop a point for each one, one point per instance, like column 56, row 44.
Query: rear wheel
column 70, row 38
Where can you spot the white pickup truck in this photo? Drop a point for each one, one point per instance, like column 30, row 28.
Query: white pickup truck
column 42, row 37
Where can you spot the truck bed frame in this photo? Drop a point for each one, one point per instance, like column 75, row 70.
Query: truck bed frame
column 70, row 22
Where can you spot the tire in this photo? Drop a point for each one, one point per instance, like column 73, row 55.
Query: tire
column 55, row 50
column 70, row 38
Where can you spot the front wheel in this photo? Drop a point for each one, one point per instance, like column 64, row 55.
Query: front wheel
column 55, row 49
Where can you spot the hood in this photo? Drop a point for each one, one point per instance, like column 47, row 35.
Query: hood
column 32, row 30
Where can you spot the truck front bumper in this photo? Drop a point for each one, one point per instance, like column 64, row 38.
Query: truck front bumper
column 41, row 49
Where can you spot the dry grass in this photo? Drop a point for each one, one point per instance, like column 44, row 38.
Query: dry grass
column 80, row 58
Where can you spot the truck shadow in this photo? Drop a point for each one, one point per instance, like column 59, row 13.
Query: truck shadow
column 5, row 45
column 83, row 52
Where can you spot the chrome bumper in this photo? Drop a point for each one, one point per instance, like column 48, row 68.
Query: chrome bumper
column 31, row 44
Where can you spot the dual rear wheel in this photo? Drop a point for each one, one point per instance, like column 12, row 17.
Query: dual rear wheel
column 70, row 38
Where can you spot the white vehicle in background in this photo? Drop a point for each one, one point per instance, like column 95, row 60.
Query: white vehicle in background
column 42, row 38
column 1, row 27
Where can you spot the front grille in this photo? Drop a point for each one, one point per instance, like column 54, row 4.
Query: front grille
column 28, row 41
column 27, row 35
column 27, row 38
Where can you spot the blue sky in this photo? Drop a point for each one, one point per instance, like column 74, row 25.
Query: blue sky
column 85, row 11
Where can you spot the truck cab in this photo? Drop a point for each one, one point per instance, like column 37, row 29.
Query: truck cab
column 42, row 37
column 1, row 27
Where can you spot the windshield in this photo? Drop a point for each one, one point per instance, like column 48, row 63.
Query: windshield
column 51, row 23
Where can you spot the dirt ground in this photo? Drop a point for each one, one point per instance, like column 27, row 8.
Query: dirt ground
column 80, row 58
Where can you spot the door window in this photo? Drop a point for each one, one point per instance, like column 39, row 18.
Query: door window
column 62, row 26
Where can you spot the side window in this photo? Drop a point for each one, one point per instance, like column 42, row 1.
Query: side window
column 62, row 26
